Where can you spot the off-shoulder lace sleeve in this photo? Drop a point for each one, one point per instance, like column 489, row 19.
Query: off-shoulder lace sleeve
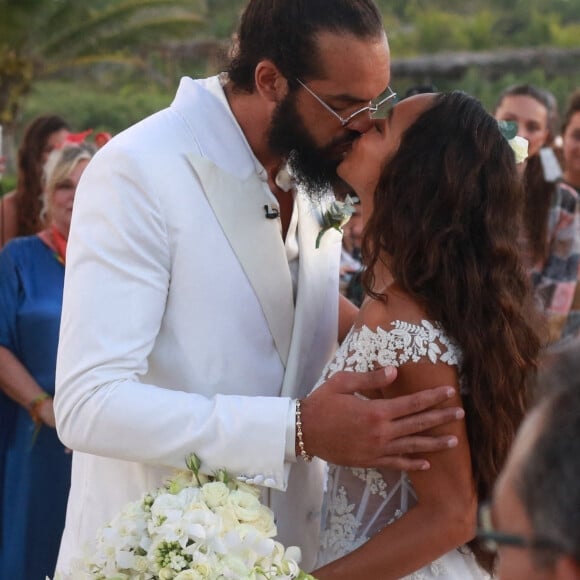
column 364, row 349
column 359, row 502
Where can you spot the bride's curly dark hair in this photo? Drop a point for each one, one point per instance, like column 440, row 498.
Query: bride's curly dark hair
column 447, row 214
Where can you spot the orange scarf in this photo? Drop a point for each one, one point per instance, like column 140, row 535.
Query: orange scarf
column 55, row 241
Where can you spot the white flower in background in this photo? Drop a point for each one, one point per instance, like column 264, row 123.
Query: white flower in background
column 519, row 146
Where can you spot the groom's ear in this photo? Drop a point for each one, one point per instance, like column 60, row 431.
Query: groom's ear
column 270, row 83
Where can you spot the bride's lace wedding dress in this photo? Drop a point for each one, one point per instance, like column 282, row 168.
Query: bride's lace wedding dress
column 358, row 502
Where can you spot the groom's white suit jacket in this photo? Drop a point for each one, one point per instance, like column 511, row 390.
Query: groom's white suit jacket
column 180, row 332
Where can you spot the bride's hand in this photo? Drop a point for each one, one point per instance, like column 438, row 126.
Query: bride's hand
column 345, row 429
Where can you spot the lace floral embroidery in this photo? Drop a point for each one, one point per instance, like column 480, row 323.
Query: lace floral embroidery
column 365, row 349
column 373, row 479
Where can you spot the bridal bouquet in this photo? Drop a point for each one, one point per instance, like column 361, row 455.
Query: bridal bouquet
column 195, row 527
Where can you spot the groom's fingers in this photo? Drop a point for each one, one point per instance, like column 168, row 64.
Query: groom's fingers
column 403, row 406
column 417, row 423
column 418, row 444
column 417, row 403
column 403, row 463
column 395, row 453
column 348, row 430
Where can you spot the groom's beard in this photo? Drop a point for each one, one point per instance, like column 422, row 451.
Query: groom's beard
column 311, row 165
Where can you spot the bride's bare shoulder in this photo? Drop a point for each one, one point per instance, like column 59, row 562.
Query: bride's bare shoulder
column 396, row 305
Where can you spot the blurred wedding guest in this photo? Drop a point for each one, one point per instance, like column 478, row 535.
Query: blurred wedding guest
column 37, row 466
column 20, row 209
column 551, row 220
column 533, row 522
column 571, row 142
column 102, row 138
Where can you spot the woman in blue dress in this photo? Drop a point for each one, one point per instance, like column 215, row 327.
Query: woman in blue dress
column 34, row 465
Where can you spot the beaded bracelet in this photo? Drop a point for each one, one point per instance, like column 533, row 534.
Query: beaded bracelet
column 299, row 433
column 35, row 404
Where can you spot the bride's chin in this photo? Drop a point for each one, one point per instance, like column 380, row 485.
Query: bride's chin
column 344, row 179
column 342, row 170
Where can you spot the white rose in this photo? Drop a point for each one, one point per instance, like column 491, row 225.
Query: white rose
column 228, row 517
column 249, row 488
column 215, row 493
column 204, row 565
column 265, row 522
column 190, row 575
column 519, row 146
column 166, row 574
column 246, row 506
column 141, row 564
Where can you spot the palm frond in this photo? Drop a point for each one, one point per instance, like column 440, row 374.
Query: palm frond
column 117, row 20
column 91, row 60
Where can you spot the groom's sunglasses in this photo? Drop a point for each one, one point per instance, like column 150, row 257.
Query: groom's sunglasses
column 378, row 108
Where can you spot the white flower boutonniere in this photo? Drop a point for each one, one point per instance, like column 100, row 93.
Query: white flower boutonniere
column 336, row 216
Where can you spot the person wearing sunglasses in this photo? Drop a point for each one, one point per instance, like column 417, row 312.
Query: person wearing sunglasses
column 533, row 520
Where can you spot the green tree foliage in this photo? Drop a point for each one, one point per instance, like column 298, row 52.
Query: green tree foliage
column 41, row 38
column 63, row 56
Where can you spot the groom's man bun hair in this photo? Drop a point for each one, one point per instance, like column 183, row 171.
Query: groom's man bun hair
column 285, row 31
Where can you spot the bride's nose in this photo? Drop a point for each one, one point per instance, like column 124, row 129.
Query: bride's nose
column 380, row 125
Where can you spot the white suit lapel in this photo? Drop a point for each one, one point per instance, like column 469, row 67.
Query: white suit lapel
column 316, row 318
column 257, row 242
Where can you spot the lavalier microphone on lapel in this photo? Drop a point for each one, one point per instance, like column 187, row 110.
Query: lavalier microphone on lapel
column 272, row 213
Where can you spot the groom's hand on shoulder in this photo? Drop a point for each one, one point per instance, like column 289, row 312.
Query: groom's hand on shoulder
column 344, row 423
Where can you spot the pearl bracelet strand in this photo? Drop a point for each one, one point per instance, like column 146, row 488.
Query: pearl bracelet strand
column 300, row 434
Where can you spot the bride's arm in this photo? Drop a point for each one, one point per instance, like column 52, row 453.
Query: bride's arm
column 347, row 313
column 444, row 517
